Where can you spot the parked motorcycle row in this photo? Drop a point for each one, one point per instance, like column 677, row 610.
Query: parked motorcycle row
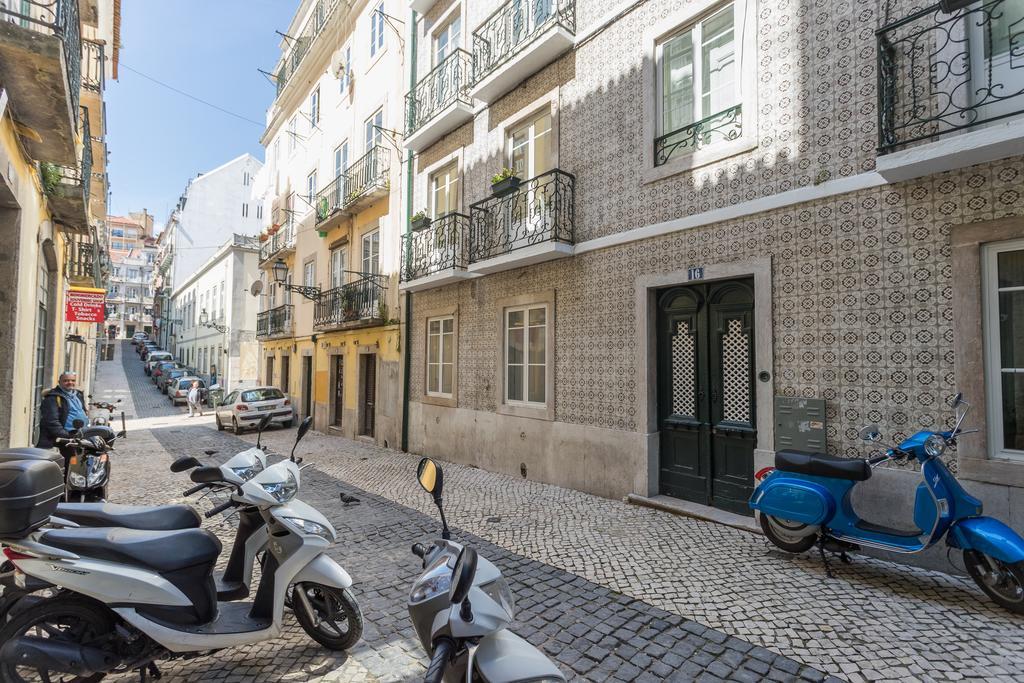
column 92, row 588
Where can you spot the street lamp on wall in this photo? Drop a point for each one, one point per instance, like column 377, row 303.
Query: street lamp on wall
column 280, row 270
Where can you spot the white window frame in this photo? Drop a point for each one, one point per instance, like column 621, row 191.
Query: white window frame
column 377, row 29
column 372, row 136
column 446, row 32
column 314, row 107
column 745, row 34
column 340, row 159
column 374, row 253
column 990, row 334
column 293, row 133
column 451, row 183
column 337, row 265
column 309, row 273
column 438, row 366
column 346, row 78
column 525, row 310
column 311, row 188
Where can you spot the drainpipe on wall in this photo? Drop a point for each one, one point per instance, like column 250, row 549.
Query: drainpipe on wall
column 406, row 352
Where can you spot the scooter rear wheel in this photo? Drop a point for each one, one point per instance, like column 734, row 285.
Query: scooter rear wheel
column 73, row 621
column 1002, row 582
column 793, row 537
column 337, row 624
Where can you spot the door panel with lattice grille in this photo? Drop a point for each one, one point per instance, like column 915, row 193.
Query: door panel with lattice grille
column 706, row 404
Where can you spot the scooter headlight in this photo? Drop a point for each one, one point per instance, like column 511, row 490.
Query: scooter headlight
column 282, row 491
column 499, row 591
column 436, row 580
column 77, row 479
column 935, row 445
column 249, row 471
column 311, row 527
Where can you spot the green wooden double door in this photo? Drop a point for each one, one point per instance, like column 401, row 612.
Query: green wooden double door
column 706, row 410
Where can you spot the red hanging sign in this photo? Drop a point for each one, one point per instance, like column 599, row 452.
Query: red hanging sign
column 85, row 305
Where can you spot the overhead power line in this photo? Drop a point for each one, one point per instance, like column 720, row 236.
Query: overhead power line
column 191, row 96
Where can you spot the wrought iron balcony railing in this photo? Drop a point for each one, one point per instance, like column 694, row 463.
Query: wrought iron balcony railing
column 446, row 84
column 439, row 246
column 366, row 174
column 58, row 18
column 274, row 322
column 80, row 259
column 542, row 209
column 515, row 25
column 940, row 72
column 282, row 239
column 299, row 46
column 355, row 301
column 721, row 127
column 93, row 77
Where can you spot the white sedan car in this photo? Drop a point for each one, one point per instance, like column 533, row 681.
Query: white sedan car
column 244, row 408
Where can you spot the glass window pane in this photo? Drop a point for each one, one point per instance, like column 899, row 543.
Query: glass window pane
column 718, row 59
column 677, row 83
column 1013, row 411
column 515, row 347
column 537, row 351
column 1011, row 329
column 1007, row 21
column 446, row 379
column 432, row 380
column 514, row 383
column 515, row 319
column 1011, row 268
column 448, row 325
column 537, row 316
column 447, row 349
column 434, row 326
column 536, row 384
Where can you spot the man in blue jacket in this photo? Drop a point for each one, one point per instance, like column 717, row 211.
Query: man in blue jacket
column 61, row 406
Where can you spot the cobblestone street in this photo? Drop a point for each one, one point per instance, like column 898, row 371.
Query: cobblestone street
column 609, row 591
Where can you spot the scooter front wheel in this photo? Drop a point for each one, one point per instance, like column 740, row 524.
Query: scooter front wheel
column 1002, row 582
column 793, row 537
column 330, row 616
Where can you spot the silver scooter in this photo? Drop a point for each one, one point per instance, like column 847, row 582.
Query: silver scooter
column 461, row 607
column 130, row 598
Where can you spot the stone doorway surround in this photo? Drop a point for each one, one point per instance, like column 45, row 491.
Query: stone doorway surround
column 645, row 288
column 973, row 462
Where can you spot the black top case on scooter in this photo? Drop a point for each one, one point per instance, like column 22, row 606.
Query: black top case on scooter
column 29, row 492
column 27, row 453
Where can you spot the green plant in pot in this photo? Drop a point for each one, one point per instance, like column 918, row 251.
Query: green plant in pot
column 350, row 304
column 504, row 183
column 420, row 220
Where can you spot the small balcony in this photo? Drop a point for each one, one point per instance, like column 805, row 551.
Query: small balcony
column 69, row 195
column 362, row 183
column 436, row 255
column 299, row 46
column 533, row 224
column 93, row 75
column 950, row 88
column 356, row 304
column 518, row 40
column 440, row 102
column 275, row 322
column 40, row 67
column 281, row 242
column 80, row 262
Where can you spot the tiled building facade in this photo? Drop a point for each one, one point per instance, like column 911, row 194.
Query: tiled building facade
column 842, row 257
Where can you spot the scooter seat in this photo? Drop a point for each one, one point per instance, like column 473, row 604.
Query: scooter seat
column 822, row 465
column 151, row 518
column 161, row 551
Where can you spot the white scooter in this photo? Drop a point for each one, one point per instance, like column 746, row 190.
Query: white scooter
column 132, row 597
column 461, row 607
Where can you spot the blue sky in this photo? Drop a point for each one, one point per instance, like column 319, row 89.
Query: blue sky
column 211, row 49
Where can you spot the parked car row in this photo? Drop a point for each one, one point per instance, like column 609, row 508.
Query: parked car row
column 239, row 410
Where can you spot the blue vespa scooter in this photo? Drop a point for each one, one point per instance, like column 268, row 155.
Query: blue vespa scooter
column 806, row 501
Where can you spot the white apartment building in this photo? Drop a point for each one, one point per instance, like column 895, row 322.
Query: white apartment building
column 215, row 206
column 217, row 335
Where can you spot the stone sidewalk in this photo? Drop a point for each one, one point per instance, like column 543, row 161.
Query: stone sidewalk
column 592, row 631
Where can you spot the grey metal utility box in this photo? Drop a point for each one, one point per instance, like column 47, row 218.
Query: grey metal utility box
column 799, row 423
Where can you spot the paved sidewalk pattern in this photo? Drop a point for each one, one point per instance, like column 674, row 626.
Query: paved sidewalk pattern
column 592, row 631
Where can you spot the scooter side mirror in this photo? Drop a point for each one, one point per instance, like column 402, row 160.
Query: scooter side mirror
column 186, row 462
column 957, row 400
column 463, row 575
column 870, row 433
column 265, row 422
column 207, row 475
column 431, row 477
column 304, row 428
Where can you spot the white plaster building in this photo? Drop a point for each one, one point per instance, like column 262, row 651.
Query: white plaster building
column 217, row 335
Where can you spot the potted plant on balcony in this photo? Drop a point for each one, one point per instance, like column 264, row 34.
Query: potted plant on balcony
column 349, row 304
column 505, row 183
column 420, row 220
column 264, row 236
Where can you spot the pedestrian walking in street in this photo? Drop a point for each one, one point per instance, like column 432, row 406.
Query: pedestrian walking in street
column 195, row 400
column 61, row 406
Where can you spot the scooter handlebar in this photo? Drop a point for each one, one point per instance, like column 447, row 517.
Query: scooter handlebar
column 220, row 508
column 438, row 663
column 195, row 489
column 419, row 550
